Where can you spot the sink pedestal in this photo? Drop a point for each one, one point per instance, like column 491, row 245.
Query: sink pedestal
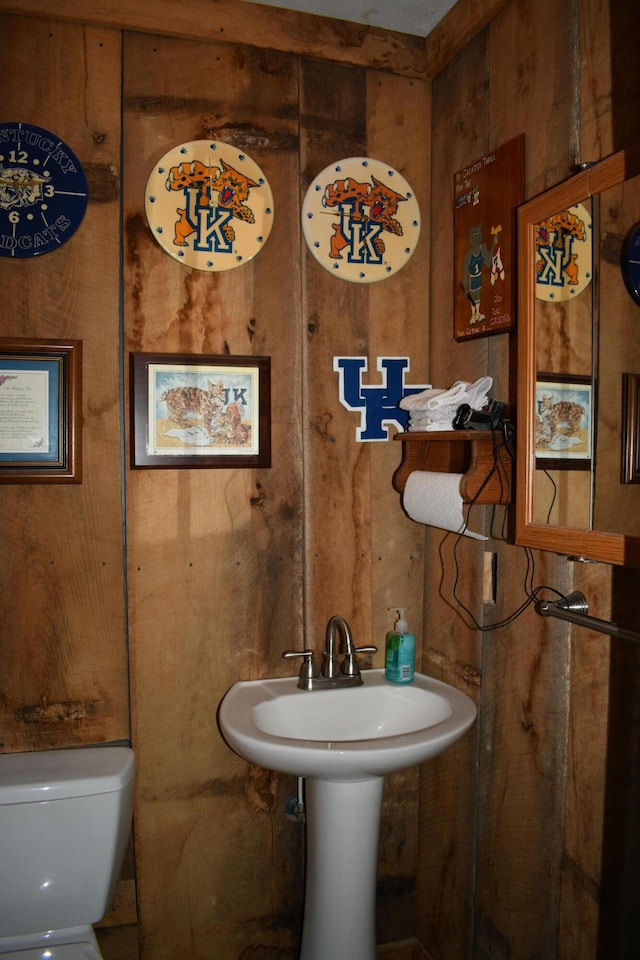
column 343, row 820
column 343, row 741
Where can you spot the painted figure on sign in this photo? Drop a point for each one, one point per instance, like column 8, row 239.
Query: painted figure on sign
column 476, row 258
column 497, row 266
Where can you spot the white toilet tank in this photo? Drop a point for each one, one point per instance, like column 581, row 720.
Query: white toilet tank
column 65, row 820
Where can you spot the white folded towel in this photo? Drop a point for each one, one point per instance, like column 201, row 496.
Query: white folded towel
column 454, row 395
column 435, row 409
column 475, row 394
column 419, row 401
column 478, row 393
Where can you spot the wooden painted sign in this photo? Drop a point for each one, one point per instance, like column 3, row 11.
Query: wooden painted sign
column 486, row 194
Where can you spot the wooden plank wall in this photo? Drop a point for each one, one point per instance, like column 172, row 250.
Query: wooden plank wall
column 64, row 670
column 496, row 849
column 223, row 569
column 511, row 866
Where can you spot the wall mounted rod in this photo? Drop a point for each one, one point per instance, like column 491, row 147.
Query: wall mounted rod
column 575, row 608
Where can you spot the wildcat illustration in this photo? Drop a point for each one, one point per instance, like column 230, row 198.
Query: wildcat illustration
column 233, row 188
column 562, row 418
column 186, row 404
column 229, row 426
column 557, row 232
column 223, row 187
column 383, row 206
column 381, row 201
column 19, row 187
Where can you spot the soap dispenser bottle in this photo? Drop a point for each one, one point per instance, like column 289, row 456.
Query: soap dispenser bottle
column 400, row 651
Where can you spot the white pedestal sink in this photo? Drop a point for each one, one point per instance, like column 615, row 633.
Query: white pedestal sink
column 344, row 741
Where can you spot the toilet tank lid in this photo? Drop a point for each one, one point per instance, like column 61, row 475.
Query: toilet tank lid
column 60, row 774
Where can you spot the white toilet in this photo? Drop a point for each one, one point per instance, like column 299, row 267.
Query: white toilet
column 65, row 820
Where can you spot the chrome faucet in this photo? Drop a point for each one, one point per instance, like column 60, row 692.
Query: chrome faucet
column 347, row 674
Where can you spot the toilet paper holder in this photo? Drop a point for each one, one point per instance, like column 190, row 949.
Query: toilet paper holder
column 469, row 452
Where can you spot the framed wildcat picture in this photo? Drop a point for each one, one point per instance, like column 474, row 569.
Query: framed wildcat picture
column 200, row 411
column 564, row 422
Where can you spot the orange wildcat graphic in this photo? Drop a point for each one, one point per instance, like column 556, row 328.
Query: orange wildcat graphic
column 359, row 229
column 554, row 245
column 214, row 196
column 383, row 203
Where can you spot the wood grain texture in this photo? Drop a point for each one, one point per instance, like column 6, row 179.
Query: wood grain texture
column 333, row 110
column 451, row 651
column 218, row 568
column 61, row 587
column 398, row 115
column 525, row 696
column 214, row 557
column 457, row 29
column 249, row 24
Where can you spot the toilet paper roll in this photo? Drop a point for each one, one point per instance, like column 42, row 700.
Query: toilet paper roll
column 435, row 499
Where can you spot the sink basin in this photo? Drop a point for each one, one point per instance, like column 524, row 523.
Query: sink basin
column 346, row 734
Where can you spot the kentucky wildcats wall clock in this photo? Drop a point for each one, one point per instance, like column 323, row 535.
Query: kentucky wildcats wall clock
column 209, row 205
column 630, row 262
column 361, row 220
column 564, row 254
column 43, row 191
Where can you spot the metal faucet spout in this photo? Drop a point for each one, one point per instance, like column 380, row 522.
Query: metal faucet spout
column 347, row 674
column 330, row 666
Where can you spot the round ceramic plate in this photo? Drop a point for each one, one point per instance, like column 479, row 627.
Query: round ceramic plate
column 209, row 205
column 564, row 262
column 361, row 220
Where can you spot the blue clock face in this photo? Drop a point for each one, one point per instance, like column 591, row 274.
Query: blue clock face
column 43, row 191
column 631, row 262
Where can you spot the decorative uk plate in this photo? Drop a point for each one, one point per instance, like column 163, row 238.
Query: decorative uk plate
column 209, row 205
column 564, row 261
column 361, row 220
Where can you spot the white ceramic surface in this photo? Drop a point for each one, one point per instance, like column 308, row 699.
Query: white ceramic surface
column 345, row 734
column 65, row 821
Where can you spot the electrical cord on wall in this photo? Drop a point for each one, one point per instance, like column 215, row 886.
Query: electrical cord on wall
column 555, row 493
column 500, row 449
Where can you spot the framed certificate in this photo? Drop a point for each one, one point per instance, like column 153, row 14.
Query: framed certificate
column 40, row 411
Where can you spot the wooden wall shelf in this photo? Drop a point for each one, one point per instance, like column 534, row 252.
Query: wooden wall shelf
column 470, row 452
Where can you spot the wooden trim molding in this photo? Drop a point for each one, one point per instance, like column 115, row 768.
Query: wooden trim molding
column 466, row 19
column 251, row 24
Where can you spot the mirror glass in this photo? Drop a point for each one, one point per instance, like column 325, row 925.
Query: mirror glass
column 616, row 505
column 579, row 365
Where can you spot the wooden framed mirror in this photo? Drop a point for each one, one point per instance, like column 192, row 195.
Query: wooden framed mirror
column 579, row 365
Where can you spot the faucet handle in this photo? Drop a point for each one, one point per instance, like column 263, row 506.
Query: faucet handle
column 350, row 666
column 308, row 668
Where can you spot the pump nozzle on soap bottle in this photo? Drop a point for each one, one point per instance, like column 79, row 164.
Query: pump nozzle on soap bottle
column 400, row 651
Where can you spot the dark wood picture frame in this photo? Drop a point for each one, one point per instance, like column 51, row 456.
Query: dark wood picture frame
column 193, row 411
column 630, row 428
column 40, row 411
column 565, row 388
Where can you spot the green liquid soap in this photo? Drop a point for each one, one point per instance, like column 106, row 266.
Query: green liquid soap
column 400, row 652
